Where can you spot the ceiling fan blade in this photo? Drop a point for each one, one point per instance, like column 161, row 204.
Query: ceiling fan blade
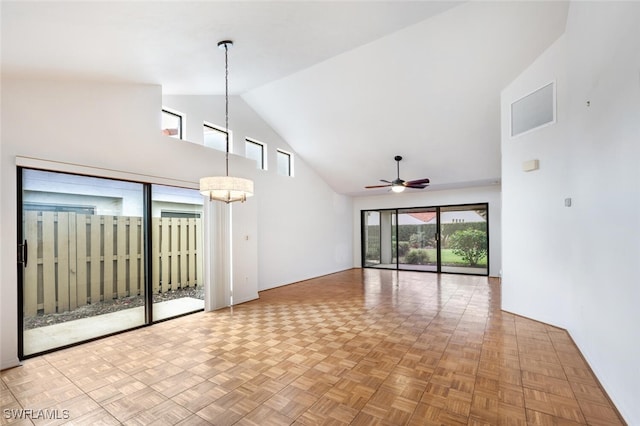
column 377, row 186
column 416, row 186
column 385, row 181
column 417, row 182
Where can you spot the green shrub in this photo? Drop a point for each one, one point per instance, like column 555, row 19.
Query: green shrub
column 373, row 253
column 470, row 244
column 417, row 257
column 403, row 248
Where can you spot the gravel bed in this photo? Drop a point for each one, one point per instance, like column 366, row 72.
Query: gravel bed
column 42, row 320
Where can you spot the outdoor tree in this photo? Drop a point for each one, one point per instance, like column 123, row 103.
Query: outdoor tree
column 470, row 244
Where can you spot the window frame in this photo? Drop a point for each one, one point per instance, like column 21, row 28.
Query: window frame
column 181, row 127
column 263, row 157
column 289, row 156
column 221, row 129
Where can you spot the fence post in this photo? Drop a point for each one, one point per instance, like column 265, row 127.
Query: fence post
column 121, row 255
column 48, row 263
column 155, row 255
column 73, row 261
column 30, row 289
column 134, row 255
column 174, row 250
column 191, row 252
column 165, row 249
column 62, row 245
column 184, row 253
column 96, row 245
column 199, row 275
column 81, row 262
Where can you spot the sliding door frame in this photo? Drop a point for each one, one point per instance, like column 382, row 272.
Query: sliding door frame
column 147, row 260
column 438, row 236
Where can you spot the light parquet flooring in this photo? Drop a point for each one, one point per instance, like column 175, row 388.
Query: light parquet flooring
column 360, row 347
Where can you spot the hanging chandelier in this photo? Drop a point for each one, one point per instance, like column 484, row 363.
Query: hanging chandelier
column 226, row 188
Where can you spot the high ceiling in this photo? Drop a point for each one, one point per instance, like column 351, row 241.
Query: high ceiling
column 347, row 84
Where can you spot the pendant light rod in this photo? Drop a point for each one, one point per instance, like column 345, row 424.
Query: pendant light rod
column 226, row 188
column 226, row 44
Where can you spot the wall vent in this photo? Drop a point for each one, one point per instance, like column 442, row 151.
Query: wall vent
column 534, row 110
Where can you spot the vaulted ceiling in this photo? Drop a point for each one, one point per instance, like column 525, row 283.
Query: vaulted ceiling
column 348, row 84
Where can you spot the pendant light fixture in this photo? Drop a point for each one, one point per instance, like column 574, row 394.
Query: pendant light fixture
column 226, row 188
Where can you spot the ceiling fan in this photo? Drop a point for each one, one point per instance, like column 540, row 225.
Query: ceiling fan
column 398, row 185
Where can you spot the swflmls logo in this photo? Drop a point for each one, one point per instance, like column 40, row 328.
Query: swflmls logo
column 26, row 413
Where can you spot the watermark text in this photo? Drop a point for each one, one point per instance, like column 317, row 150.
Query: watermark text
column 31, row 414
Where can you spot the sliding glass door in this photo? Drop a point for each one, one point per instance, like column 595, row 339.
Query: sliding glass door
column 452, row 239
column 176, row 250
column 417, row 239
column 465, row 243
column 83, row 273
column 84, row 263
column 379, row 239
column 371, row 238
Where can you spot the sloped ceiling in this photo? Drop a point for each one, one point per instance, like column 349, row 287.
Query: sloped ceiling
column 347, row 84
column 429, row 92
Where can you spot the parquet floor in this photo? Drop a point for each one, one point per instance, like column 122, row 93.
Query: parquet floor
column 360, row 347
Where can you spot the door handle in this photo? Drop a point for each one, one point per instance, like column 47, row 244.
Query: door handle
column 23, row 253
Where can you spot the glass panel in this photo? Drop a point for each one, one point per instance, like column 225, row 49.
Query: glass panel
column 85, row 276
column 464, row 241
column 417, row 246
column 171, row 124
column 255, row 151
column 392, row 217
column 379, row 248
column 371, row 229
column 215, row 138
column 388, row 239
column 284, row 163
column 177, row 278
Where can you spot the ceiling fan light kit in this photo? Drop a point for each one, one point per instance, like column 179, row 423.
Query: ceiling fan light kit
column 398, row 185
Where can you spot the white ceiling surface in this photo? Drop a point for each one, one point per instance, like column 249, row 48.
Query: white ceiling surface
column 347, row 84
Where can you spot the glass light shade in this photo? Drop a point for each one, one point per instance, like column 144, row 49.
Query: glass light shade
column 397, row 188
column 226, row 188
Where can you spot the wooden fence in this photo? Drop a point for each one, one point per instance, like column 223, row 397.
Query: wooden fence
column 77, row 259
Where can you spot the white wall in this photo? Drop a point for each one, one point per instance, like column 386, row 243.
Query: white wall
column 428, row 198
column 106, row 130
column 301, row 228
column 535, row 220
column 304, row 227
column 585, row 257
